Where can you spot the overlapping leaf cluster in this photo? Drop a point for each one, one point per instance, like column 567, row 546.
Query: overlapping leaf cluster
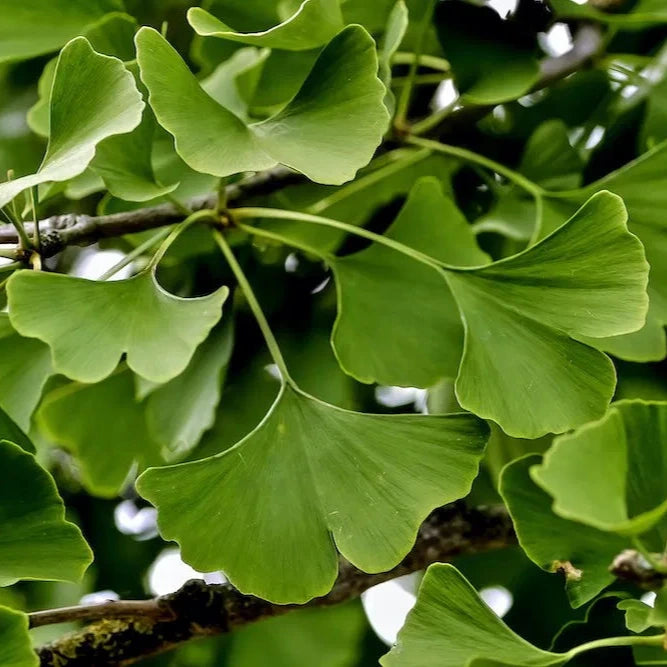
column 526, row 297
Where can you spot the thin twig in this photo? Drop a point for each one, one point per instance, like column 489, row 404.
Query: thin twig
column 130, row 631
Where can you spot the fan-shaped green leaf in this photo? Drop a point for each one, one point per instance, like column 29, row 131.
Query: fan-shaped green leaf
column 15, row 642
column 450, row 626
column 328, row 131
column 179, row 412
column 583, row 554
column 521, row 316
column 109, row 434
column 25, row 366
column 90, row 324
column 308, row 473
column 93, row 97
column 313, row 24
column 397, row 322
column 492, row 60
column 611, row 474
column 31, row 28
column 37, row 542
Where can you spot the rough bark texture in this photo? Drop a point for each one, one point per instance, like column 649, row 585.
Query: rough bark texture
column 128, row 634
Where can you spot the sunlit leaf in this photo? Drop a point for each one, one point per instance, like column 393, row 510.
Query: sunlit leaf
column 611, row 474
column 37, row 542
column 522, row 315
column 109, row 435
column 328, row 131
column 31, row 28
column 397, row 24
column 379, row 288
column 644, row 13
column 93, row 97
column 25, row 366
column 308, row 475
column 312, row 25
column 450, row 626
column 89, row 324
column 581, row 553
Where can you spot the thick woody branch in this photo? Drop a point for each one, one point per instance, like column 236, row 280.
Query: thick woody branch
column 127, row 632
column 632, row 566
column 61, row 231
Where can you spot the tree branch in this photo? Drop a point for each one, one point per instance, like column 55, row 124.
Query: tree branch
column 129, row 631
column 61, row 231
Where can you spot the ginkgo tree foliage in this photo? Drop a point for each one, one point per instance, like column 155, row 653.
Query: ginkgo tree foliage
column 280, row 280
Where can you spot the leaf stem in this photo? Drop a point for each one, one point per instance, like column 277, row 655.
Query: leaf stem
column 650, row 558
column 406, row 92
column 136, row 252
column 607, row 642
column 257, row 311
column 273, row 236
column 425, row 60
column 475, row 158
column 279, row 214
column 34, row 200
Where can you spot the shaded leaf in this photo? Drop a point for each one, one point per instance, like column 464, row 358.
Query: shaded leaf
column 644, row 13
column 328, row 131
column 313, row 24
column 109, row 434
column 31, row 28
column 12, row 433
column 90, row 324
column 37, row 542
column 611, row 474
column 308, row 473
column 581, row 553
column 25, row 366
column 492, row 61
column 450, row 626
column 15, row 642
column 397, row 24
column 180, row 411
column 93, row 97
column 397, row 322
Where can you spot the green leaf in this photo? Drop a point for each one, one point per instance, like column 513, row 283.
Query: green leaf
column 12, row 433
column 179, row 412
column 15, row 642
column 492, row 60
column 645, row 13
column 639, row 616
column 308, row 475
column 328, row 131
column 379, row 288
column 397, row 24
column 109, row 434
column 79, row 119
column 450, row 626
column 522, row 316
column 89, row 324
column 611, row 474
column 32, row 28
column 37, row 542
column 25, row 366
column 581, row 553
column 312, row 25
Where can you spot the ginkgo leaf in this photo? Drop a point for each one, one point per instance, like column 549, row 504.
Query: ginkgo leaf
column 179, row 412
column 90, row 324
column 397, row 24
column 25, row 366
column 611, row 474
column 328, row 131
column 12, row 433
column 450, row 626
column 522, row 316
column 15, row 642
column 492, row 60
column 37, row 542
column 379, row 288
column 93, row 97
column 313, row 24
column 31, row 28
column 310, row 475
column 644, row 13
column 109, row 435
column 583, row 554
